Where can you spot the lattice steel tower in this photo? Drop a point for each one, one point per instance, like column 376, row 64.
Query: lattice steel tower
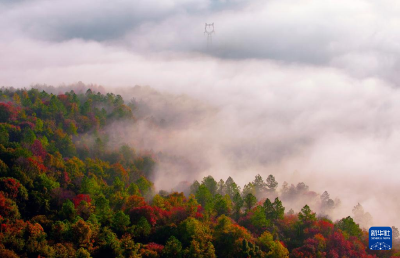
column 209, row 31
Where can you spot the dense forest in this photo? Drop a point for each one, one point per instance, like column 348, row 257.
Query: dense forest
column 66, row 192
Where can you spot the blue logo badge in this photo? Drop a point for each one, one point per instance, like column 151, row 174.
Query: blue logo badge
column 380, row 238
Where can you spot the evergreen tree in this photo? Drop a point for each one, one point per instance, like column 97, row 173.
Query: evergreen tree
column 271, row 184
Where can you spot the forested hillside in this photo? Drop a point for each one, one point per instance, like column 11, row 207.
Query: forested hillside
column 66, row 192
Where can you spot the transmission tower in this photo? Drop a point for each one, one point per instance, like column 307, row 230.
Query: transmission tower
column 209, row 31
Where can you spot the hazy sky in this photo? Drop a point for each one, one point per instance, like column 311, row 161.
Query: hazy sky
column 305, row 89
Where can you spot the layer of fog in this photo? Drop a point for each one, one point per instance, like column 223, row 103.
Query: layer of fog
column 304, row 91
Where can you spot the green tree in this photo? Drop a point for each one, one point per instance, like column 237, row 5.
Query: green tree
column 221, row 188
column 133, row 189
column 306, row 216
column 349, row 226
column 173, row 248
column 28, row 136
column 103, row 211
column 26, row 101
column 238, row 204
column 231, row 187
column 109, row 245
column 211, row 184
column 203, row 195
column 120, row 222
column 272, row 249
column 271, row 184
column 222, row 204
column 68, row 211
column 4, row 136
column 259, row 219
column 142, row 228
column 248, row 249
column 89, row 186
column 144, row 186
column 250, row 200
column 274, row 210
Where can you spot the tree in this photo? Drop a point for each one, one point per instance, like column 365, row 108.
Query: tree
column 273, row 249
column 327, row 204
column 201, row 249
column 238, row 204
column 192, row 205
column 306, row 215
column 194, row 187
column 271, row 184
column 173, row 248
column 128, row 246
column 133, row 189
column 269, row 209
column 226, row 233
column 274, row 210
column 120, row 222
column 143, row 227
column 82, row 234
column 82, row 253
column 362, row 217
column 203, row 195
column 312, row 247
column 158, row 201
column 231, row 187
column 4, row 135
column 109, row 245
column 325, row 197
column 250, row 200
column 8, row 208
column 16, row 99
column 13, row 189
column 349, row 226
column 68, row 211
column 222, row 204
column 38, row 150
column 248, row 249
column 221, row 190
column 279, row 210
column 28, row 136
column 72, row 129
column 89, row 186
column 134, row 201
column 7, row 112
column 26, row 101
column 301, row 187
column 259, row 220
column 144, row 185
column 249, row 189
column 211, row 184
column 259, row 186
column 80, row 198
column 102, row 209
